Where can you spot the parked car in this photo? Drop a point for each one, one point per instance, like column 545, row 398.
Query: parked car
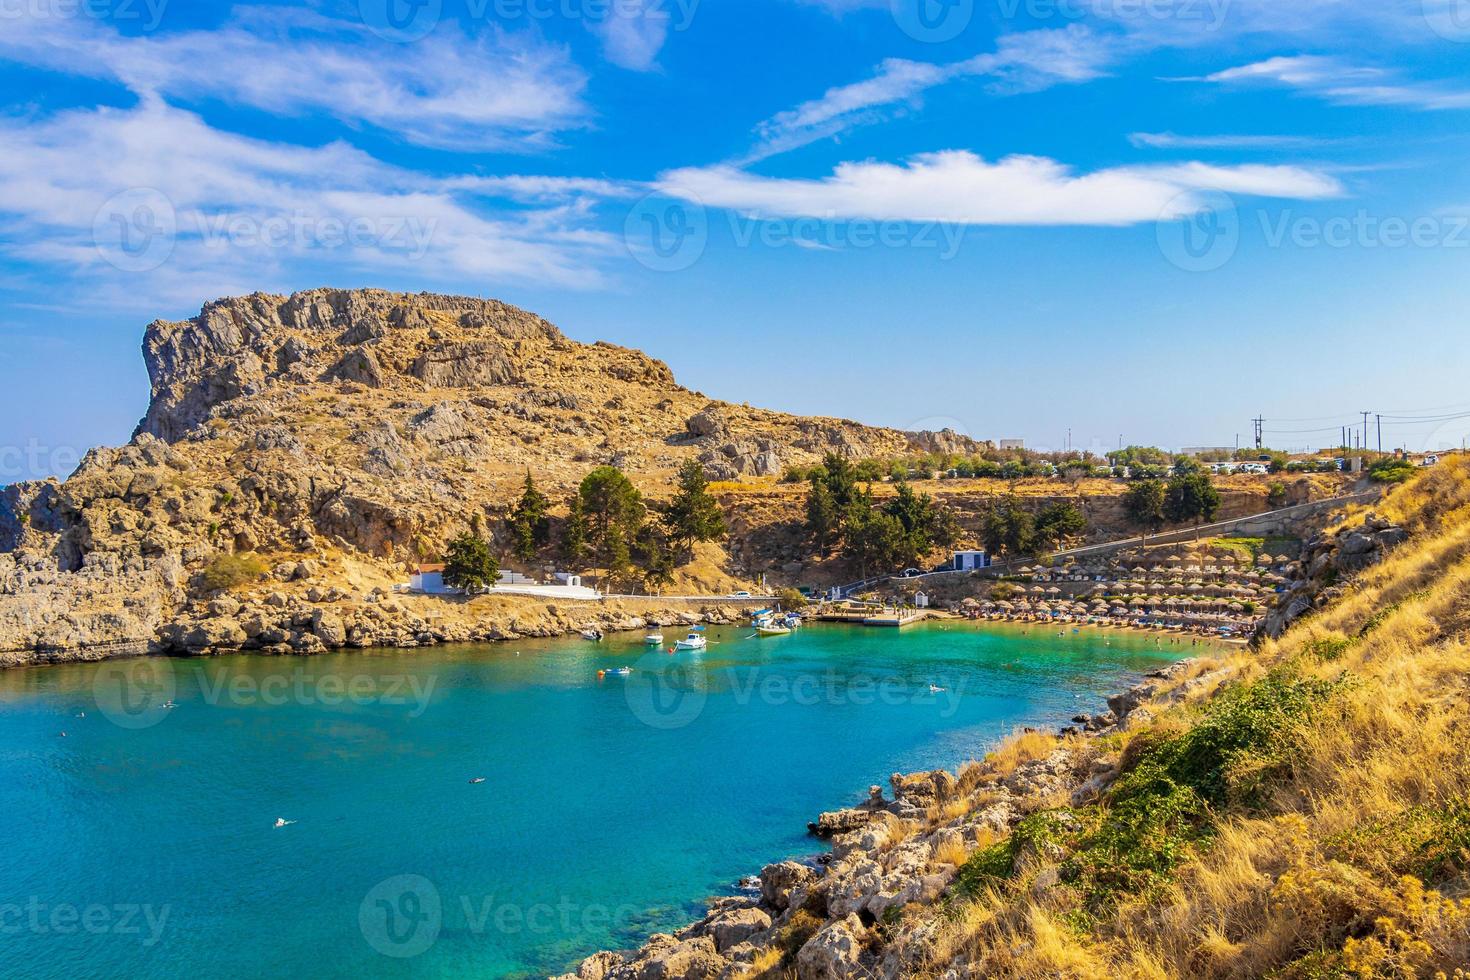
column 910, row 573
column 742, row 594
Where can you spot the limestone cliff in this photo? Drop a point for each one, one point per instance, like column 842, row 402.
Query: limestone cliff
column 357, row 428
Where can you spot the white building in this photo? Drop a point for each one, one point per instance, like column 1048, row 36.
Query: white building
column 921, row 600
column 428, row 579
column 968, row 561
column 1012, row 444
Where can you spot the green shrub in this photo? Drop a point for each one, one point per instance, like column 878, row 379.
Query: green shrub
column 1432, row 843
column 1164, row 805
column 233, row 571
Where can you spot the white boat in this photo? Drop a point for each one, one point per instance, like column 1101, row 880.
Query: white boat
column 654, row 639
column 693, row 641
column 770, row 629
column 594, row 635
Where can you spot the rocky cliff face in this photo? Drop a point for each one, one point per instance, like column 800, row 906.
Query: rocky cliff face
column 366, row 426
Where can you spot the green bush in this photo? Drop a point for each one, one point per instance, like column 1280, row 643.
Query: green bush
column 233, row 571
column 1164, row 806
column 1432, row 843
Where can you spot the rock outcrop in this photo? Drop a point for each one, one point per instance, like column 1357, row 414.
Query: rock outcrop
column 1327, row 561
column 360, row 430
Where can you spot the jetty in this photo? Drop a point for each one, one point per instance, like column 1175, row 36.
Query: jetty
column 864, row 614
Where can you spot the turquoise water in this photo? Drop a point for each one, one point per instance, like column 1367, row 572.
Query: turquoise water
column 143, row 842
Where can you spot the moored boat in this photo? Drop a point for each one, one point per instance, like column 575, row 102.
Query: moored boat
column 694, row 641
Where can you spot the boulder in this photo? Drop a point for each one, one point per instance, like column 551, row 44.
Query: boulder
column 834, row 952
column 778, row 881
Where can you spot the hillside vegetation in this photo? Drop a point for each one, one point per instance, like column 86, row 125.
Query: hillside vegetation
column 1309, row 820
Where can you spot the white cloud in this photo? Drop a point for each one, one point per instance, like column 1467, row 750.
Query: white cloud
column 1027, row 61
column 1223, row 141
column 497, row 91
column 1346, row 84
column 633, row 33
column 247, row 212
column 959, row 187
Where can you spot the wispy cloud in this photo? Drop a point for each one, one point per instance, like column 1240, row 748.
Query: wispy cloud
column 1027, row 61
column 238, row 212
column 1224, row 141
column 1346, row 84
column 962, row 188
column 495, row 91
column 633, row 33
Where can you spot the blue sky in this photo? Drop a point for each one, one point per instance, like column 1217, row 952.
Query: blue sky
column 1146, row 219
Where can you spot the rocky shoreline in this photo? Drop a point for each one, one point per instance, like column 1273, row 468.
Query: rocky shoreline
column 52, row 616
column 845, row 916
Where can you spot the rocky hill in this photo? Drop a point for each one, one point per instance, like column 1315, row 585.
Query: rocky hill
column 359, row 430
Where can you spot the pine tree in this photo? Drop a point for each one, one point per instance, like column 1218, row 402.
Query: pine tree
column 694, row 514
column 469, row 565
column 529, row 525
column 574, row 540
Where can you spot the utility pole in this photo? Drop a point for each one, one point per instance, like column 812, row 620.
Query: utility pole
column 1260, row 425
column 1364, row 444
column 1380, row 432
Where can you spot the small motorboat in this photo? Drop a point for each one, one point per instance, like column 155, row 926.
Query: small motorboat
column 477, row 780
column 771, row 629
column 693, row 641
column 935, row 689
column 594, row 635
column 654, row 639
column 614, row 672
column 283, row 822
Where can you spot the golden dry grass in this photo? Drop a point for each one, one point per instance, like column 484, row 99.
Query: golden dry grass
column 1318, row 878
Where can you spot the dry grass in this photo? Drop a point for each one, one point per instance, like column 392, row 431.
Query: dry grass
column 1354, row 858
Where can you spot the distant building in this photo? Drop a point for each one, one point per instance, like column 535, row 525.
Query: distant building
column 1013, row 444
column 567, row 578
column 1206, row 450
column 968, row 561
column 428, row 579
column 921, row 600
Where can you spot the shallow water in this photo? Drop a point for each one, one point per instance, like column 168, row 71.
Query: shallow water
column 142, row 843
